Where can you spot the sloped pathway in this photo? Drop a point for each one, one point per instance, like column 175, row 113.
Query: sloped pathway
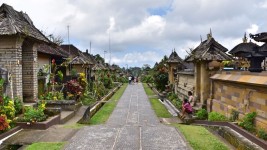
column 133, row 125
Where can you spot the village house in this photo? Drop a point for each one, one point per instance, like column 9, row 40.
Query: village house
column 241, row 89
column 79, row 62
column 19, row 40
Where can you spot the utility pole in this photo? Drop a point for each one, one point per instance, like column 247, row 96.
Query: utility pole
column 69, row 37
column 109, row 47
column 90, row 47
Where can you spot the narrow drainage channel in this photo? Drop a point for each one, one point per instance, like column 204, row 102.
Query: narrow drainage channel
column 9, row 147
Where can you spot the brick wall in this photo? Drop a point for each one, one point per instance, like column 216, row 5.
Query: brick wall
column 29, row 71
column 237, row 92
column 10, row 59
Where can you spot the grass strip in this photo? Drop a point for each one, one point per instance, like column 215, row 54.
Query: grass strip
column 46, row 146
column 200, row 138
column 103, row 114
column 160, row 110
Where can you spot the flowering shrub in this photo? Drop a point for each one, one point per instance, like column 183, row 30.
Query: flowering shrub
column 74, row 88
column 4, row 123
column 82, row 80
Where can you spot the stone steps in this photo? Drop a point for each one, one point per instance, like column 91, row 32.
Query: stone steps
column 66, row 116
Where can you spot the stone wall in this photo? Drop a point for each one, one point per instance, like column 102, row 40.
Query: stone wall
column 10, row 59
column 184, row 82
column 242, row 91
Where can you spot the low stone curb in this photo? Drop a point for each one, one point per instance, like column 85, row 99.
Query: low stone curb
column 234, row 132
column 40, row 125
column 9, row 132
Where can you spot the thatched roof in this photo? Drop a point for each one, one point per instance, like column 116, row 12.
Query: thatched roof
column 263, row 48
column 209, row 50
column 245, row 48
column 174, row 58
column 79, row 57
column 90, row 58
column 13, row 22
column 51, row 50
column 99, row 66
column 260, row 37
column 71, row 49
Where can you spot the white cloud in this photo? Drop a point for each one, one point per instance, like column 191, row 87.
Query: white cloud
column 253, row 29
column 132, row 27
column 111, row 24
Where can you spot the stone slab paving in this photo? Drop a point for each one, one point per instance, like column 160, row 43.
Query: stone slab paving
column 133, row 125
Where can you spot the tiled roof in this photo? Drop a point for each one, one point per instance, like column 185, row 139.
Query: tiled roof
column 13, row 22
column 52, row 50
column 209, row 50
column 241, row 78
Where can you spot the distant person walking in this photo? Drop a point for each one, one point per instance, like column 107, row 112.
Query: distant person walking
column 130, row 79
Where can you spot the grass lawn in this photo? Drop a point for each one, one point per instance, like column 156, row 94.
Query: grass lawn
column 103, row 114
column 46, row 146
column 157, row 106
column 200, row 138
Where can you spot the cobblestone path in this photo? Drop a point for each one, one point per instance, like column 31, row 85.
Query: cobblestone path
column 133, row 125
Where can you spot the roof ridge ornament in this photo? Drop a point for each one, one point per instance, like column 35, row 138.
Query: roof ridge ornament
column 245, row 39
column 209, row 35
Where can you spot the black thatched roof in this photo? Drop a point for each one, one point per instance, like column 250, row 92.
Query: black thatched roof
column 209, row 50
column 13, row 22
column 260, row 37
column 174, row 58
column 243, row 49
column 263, row 48
column 52, row 50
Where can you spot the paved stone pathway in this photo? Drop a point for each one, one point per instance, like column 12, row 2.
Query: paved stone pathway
column 133, row 125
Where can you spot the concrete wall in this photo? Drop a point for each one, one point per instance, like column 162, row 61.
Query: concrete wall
column 185, row 82
column 43, row 59
column 242, row 91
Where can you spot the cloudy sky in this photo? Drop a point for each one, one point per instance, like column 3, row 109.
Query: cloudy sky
column 143, row 31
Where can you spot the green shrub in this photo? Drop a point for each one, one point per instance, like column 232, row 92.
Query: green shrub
column 215, row 116
column 18, row 105
column 248, row 122
column 234, row 115
column 202, row 114
column 34, row 115
column 262, row 134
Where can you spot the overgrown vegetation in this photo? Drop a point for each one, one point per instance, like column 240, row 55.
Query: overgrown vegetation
column 215, row 116
column 202, row 114
column 175, row 100
column 200, row 138
column 248, row 122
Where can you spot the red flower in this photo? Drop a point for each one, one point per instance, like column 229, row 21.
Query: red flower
column 53, row 61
